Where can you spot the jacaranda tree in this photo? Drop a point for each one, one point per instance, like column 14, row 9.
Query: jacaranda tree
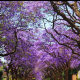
column 40, row 34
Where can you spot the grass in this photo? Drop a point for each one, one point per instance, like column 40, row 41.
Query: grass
column 11, row 79
column 23, row 79
column 48, row 79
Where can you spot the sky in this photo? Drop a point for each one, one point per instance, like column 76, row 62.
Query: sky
column 2, row 50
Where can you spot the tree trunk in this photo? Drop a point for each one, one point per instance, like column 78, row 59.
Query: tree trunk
column 12, row 77
column 25, row 77
column 60, row 75
column 66, row 74
column 54, row 76
column 16, row 75
column 12, row 73
column 7, row 75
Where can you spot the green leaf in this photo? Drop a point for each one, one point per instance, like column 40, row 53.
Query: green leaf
column 3, row 38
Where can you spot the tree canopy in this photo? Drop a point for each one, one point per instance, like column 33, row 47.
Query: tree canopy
column 37, row 36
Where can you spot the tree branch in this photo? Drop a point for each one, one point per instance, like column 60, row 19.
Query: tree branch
column 15, row 46
column 62, row 43
column 65, row 35
column 74, row 7
column 55, row 8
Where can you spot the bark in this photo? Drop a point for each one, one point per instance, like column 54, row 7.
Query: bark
column 16, row 75
column 54, row 76
column 74, row 6
column 7, row 75
column 56, row 9
column 60, row 75
column 12, row 77
column 26, row 77
column 66, row 74
column 12, row 73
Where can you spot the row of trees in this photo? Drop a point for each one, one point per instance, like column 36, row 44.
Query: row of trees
column 33, row 47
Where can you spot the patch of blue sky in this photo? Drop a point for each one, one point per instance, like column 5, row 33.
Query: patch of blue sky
column 50, row 18
column 2, row 51
column 47, row 23
column 2, row 59
column 15, row 18
column 67, row 28
column 71, row 1
column 77, row 24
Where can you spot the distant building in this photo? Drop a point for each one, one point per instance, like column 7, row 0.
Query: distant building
column 78, row 74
